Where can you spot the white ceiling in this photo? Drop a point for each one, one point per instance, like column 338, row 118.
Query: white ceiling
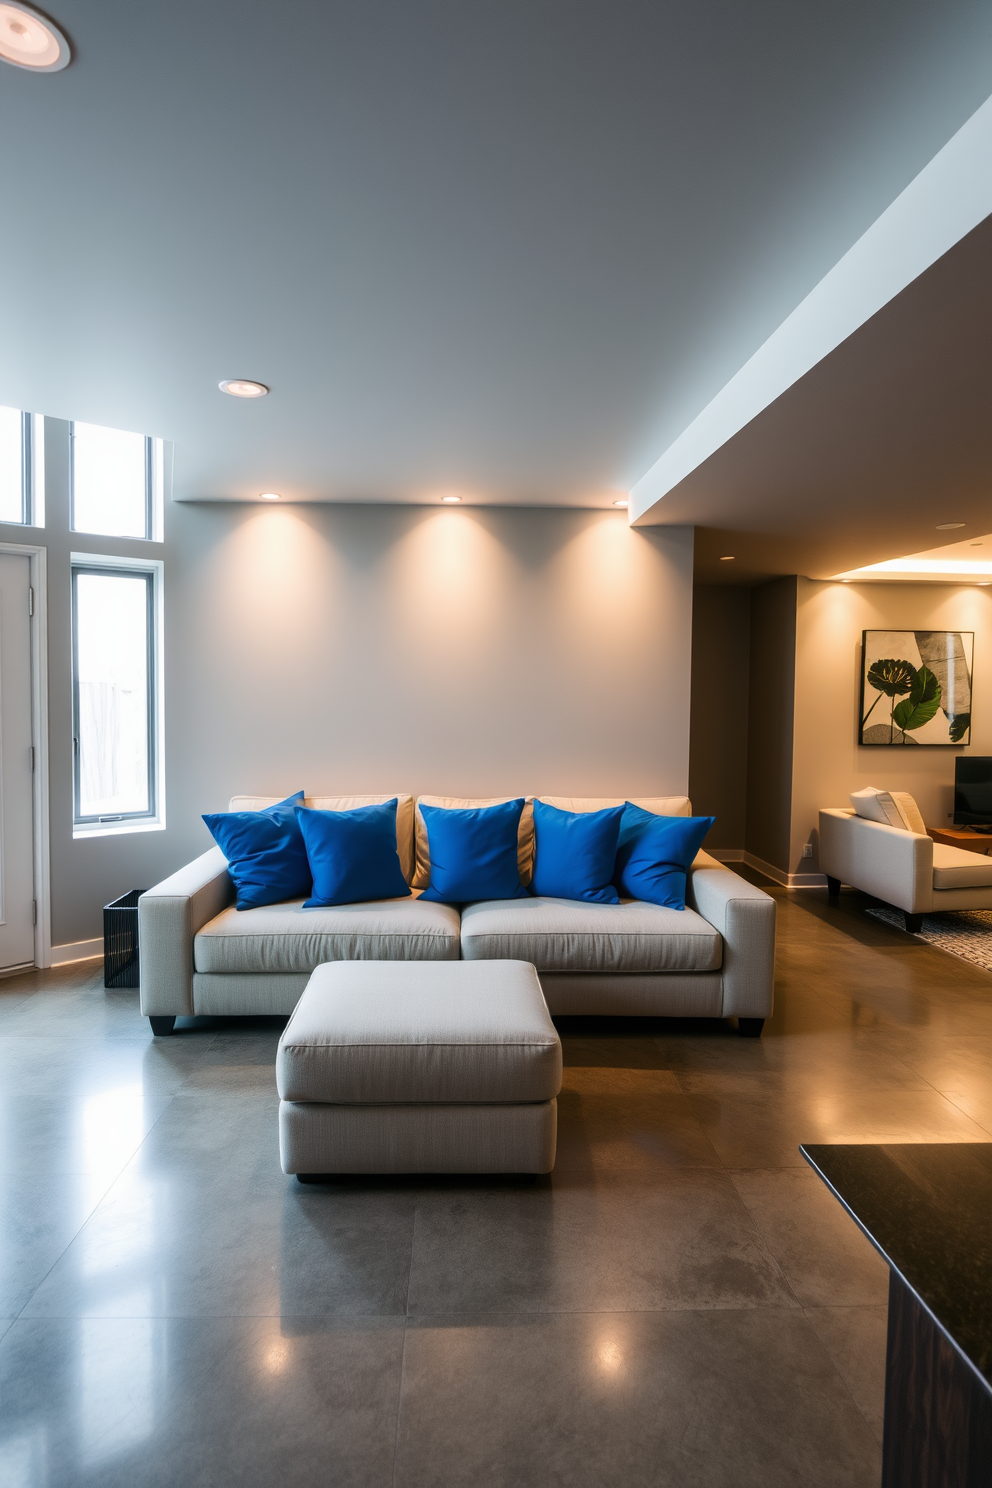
column 507, row 248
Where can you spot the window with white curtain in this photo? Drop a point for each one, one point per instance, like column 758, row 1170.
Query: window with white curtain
column 116, row 664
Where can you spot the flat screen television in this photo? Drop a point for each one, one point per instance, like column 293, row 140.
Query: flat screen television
column 973, row 792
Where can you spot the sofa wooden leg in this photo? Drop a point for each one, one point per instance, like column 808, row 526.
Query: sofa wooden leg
column 833, row 887
column 750, row 1027
column 161, row 1027
column 914, row 924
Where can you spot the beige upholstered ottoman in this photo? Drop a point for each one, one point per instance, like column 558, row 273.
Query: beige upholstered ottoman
column 419, row 1067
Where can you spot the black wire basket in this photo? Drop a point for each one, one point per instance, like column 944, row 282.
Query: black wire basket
column 120, row 940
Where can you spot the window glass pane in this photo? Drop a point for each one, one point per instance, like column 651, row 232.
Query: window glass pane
column 108, row 481
column 11, row 489
column 113, row 681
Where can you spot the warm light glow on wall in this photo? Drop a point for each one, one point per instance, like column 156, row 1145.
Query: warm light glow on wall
column 447, row 575
column 270, row 583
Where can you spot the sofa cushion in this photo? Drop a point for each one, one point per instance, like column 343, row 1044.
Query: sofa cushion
column 525, row 832
column 953, row 868
column 404, row 815
column 285, row 938
column 571, row 935
column 367, row 1034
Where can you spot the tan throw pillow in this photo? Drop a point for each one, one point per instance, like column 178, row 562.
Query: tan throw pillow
column 525, row 833
column 910, row 812
column 883, row 806
column 404, row 815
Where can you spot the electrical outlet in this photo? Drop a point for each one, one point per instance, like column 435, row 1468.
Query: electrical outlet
column 807, row 850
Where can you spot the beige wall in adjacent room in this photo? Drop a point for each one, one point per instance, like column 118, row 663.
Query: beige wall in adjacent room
column 468, row 651
column 718, row 733
column 829, row 763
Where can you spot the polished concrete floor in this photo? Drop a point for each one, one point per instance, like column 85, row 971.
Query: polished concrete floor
column 681, row 1303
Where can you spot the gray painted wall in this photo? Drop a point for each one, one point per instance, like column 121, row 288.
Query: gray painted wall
column 718, row 758
column 771, row 712
column 382, row 648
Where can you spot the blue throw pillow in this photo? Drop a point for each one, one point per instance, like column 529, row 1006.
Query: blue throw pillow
column 655, row 853
column 353, row 855
column 575, row 853
column 473, row 853
column 265, row 854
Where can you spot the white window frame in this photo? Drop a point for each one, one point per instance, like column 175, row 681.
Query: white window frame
column 140, row 567
column 154, row 492
column 32, row 472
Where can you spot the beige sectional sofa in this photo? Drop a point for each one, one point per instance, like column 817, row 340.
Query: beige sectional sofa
column 715, row 958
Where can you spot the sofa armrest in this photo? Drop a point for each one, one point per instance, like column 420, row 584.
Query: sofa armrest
column 169, row 915
column 894, row 865
column 745, row 917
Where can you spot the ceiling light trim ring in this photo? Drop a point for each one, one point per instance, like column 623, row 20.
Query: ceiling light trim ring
column 243, row 387
column 37, row 37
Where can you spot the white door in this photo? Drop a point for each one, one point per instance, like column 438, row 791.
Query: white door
column 16, row 804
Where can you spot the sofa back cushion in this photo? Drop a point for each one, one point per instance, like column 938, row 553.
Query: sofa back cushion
column 525, row 832
column 404, row 816
column 657, row 805
column 892, row 808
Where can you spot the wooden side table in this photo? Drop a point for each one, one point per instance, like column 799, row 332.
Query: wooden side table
column 976, row 842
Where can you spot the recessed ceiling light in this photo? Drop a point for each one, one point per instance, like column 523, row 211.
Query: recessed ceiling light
column 29, row 39
column 270, row 495
column 240, row 387
column 451, row 499
column 728, row 557
column 621, row 503
column 949, row 526
column 976, row 545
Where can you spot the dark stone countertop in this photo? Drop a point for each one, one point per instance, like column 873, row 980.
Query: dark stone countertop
column 927, row 1207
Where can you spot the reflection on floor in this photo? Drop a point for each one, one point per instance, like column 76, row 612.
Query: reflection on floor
column 680, row 1303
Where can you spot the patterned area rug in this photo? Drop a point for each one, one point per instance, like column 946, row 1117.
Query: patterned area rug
column 964, row 932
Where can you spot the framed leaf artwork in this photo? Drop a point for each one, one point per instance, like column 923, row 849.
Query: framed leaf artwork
column 916, row 687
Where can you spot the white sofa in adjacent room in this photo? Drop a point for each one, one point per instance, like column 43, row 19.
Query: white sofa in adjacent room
column 715, row 958
column 880, row 845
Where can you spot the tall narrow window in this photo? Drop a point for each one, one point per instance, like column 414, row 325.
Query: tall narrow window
column 21, row 467
column 115, row 694
column 116, row 482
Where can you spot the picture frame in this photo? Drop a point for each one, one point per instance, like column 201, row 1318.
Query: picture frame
column 916, row 688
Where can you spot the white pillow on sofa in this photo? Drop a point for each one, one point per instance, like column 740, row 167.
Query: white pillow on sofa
column 892, row 808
